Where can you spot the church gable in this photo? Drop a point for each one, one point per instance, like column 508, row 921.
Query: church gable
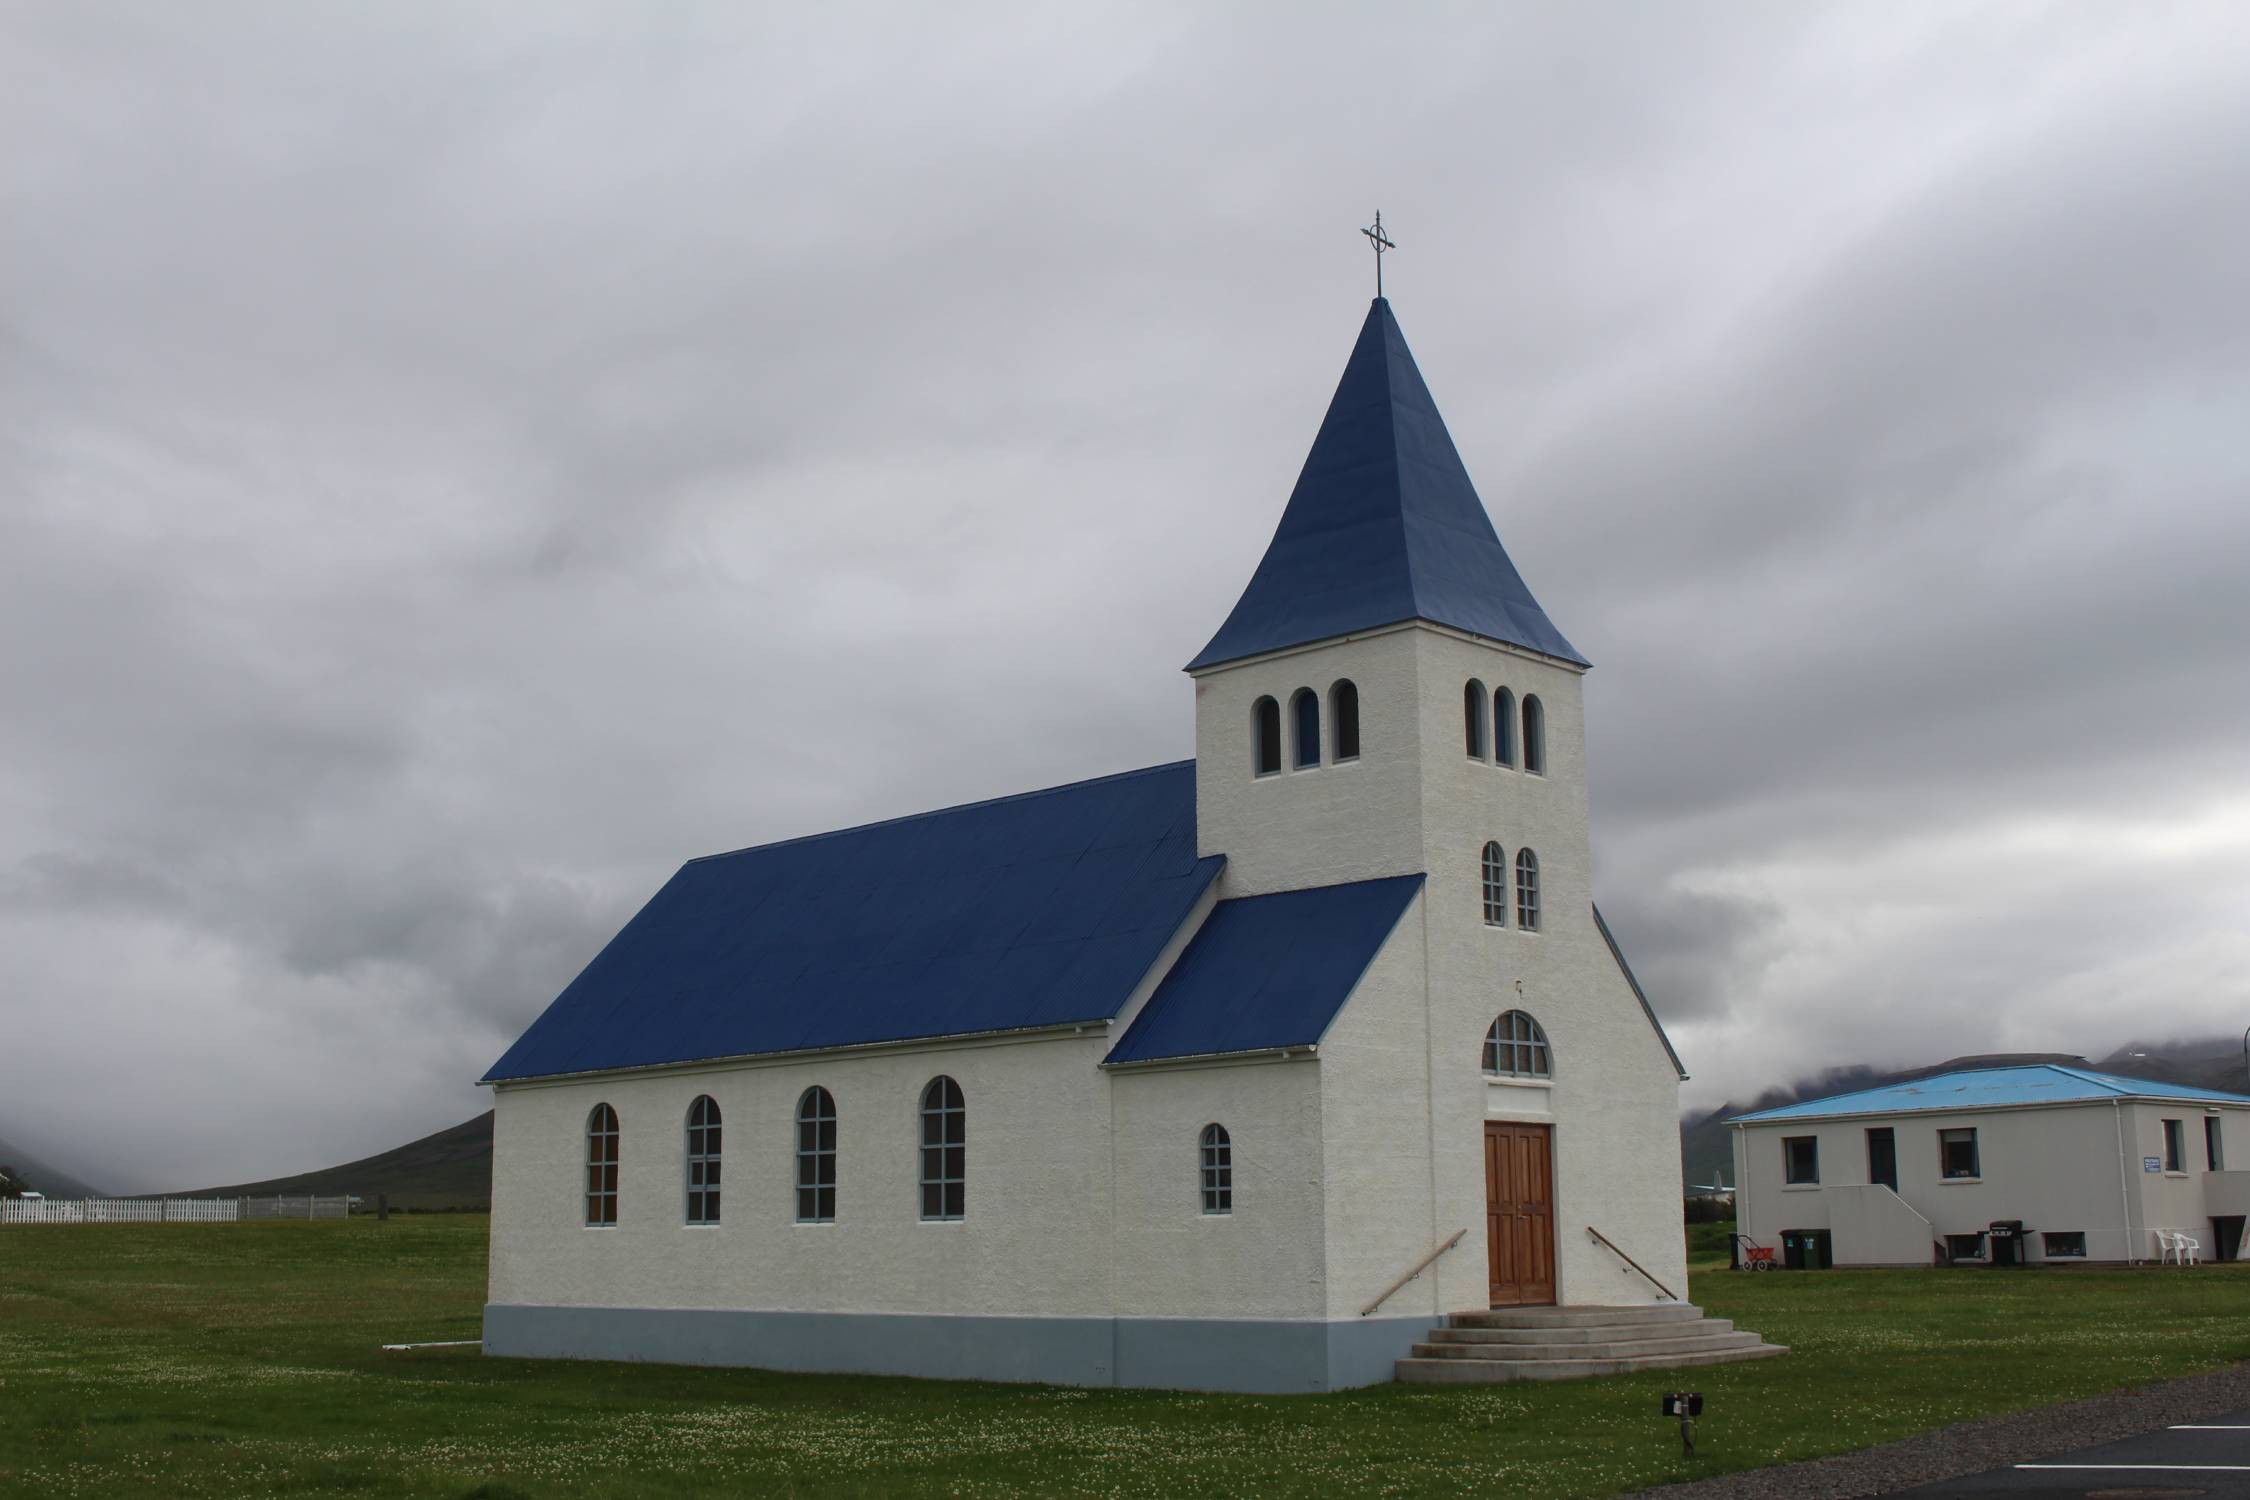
column 1038, row 910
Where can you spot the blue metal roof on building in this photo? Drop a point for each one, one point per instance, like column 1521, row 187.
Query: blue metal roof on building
column 1035, row 910
column 1383, row 526
column 1991, row 1088
column 1265, row 972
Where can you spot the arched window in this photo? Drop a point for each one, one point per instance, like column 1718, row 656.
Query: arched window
column 816, row 1157
column 1515, row 1047
column 703, row 1160
column 1504, row 727
column 1304, row 720
column 945, row 1148
column 1534, row 736
column 1343, row 717
column 1527, row 890
column 1495, row 886
column 1472, row 714
column 601, row 1165
column 1265, row 737
column 1218, row 1170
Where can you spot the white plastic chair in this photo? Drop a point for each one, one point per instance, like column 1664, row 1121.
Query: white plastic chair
column 2186, row 1248
column 2163, row 1245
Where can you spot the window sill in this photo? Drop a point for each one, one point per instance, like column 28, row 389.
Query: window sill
column 598, row 1226
column 1513, row 1081
column 1800, row 1187
column 1960, row 1181
column 699, row 1226
column 2182, row 1175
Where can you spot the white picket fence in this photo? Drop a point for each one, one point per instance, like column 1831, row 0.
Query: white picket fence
column 167, row 1210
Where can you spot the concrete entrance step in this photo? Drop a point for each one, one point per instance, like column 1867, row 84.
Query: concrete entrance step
column 1574, row 1317
column 1590, row 1333
column 1620, row 1349
column 1500, row 1371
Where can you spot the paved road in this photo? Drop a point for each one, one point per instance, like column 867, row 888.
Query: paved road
column 2206, row 1459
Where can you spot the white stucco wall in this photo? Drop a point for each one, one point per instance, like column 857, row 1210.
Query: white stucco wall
column 1082, row 1190
column 2064, row 1167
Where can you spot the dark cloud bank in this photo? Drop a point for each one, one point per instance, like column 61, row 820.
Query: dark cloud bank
column 457, row 463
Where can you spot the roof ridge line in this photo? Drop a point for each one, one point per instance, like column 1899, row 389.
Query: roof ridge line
column 934, row 812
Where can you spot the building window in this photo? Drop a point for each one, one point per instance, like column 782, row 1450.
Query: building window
column 1472, row 715
column 2213, row 1157
column 1534, row 736
column 945, row 1149
column 1504, row 727
column 1343, row 713
column 816, row 1157
column 1495, row 886
column 2065, row 1242
column 1265, row 737
column 703, row 1160
column 1218, row 1170
column 1800, row 1158
column 1304, row 718
column 601, row 1165
column 1527, row 890
column 2175, row 1146
column 1515, row 1047
column 1964, row 1246
column 1957, row 1153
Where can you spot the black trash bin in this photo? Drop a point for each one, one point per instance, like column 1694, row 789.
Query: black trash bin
column 1806, row 1250
column 2006, row 1239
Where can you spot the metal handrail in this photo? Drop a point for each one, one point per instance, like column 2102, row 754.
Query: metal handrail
column 1636, row 1265
column 1419, row 1267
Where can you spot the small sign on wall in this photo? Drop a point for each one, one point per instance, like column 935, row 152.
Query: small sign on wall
column 2152, row 1163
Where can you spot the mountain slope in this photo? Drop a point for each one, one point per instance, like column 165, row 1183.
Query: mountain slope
column 38, row 1175
column 450, row 1169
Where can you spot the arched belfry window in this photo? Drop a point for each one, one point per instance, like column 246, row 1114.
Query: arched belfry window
column 1515, row 1047
column 1343, row 718
column 1534, row 736
column 1473, row 718
column 1527, row 890
column 1217, row 1151
column 1304, row 722
column 1265, row 737
column 816, row 1157
column 1504, row 727
column 1495, row 886
column 703, row 1160
column 601, row 1165
column 945, row 1149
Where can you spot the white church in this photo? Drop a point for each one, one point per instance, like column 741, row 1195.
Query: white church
column 1305, row 1064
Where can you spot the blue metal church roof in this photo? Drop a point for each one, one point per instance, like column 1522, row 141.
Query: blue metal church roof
column 1035, row 910
column 1265, row 972
column 1383, row 526
column 1991, row 1088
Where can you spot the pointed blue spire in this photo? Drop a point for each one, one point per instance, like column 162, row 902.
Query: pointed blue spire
column 1383, row 526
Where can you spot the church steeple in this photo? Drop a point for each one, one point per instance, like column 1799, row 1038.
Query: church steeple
column 1383, row 526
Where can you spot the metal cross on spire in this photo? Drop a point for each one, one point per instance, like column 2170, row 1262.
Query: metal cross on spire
column 1381, row 242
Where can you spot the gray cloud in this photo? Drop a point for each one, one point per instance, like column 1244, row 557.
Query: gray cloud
column 456, row 463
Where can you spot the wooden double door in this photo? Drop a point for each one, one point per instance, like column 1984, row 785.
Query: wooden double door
column 1519, row 1212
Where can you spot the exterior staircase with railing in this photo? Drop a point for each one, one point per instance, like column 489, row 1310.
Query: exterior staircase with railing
column 1560, row 1343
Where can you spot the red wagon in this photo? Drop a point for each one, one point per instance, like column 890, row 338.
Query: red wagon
column 1751, row 1256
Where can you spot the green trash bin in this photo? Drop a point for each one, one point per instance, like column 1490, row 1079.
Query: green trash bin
column 1806, row 1250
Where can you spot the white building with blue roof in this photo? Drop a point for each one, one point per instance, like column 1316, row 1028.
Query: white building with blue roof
column 1238, row 1073
column 2041, row 1162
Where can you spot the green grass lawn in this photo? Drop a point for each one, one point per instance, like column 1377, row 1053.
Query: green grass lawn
column 241, row 1359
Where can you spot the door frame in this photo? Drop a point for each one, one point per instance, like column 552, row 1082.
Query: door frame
column 1546, row 1131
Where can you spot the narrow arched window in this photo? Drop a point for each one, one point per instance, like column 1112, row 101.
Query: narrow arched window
column 1473, row 710
column 1218, row 1170
column 1527, row 890
column 1534, row 736
column 945, row 1148
column 1343, row 718
column 601, row 1165
column 1304, row 721
column 1515, row 1047
column 1265, row 737
column 1504, row 727
column 1495, row 886
column 816, row 1157
column 703, row 1160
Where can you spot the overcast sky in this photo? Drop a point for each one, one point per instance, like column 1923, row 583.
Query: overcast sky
column 457, row 462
